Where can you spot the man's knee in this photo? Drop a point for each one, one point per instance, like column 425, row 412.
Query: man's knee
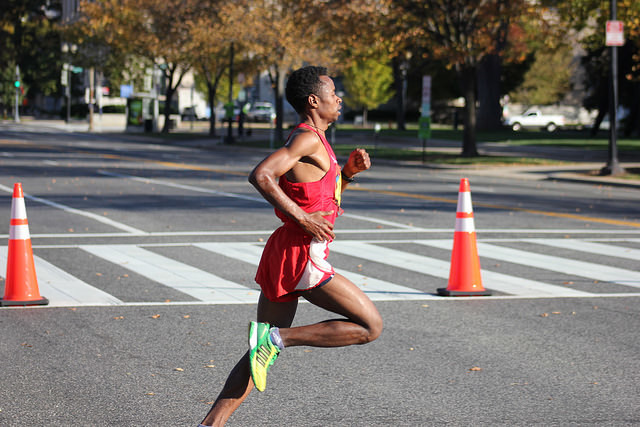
column 374, row 327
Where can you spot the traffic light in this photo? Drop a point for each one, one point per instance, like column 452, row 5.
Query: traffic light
column 17, row 84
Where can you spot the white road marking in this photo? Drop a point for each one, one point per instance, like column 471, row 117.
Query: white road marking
column 182, row 277
column 61, row 288
column 102, row 219
column 568, row 266
column 437, row 268
column 590, row 247
column 339, row 231
column 377, row 290
column 64, row 290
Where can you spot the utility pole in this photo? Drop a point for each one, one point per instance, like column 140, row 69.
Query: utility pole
column 613, row 166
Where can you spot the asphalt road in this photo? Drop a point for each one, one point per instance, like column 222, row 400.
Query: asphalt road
column 147, row 252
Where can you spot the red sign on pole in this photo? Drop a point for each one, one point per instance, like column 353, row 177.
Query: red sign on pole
column 615, row 33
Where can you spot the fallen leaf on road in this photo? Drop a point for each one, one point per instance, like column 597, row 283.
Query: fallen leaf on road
column 155, row 316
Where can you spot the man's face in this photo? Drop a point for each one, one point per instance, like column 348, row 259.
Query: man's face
column 329, row 104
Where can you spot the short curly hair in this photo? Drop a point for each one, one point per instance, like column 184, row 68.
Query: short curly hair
column 302, row 83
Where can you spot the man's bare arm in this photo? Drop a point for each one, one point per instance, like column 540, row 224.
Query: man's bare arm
column 265, row 179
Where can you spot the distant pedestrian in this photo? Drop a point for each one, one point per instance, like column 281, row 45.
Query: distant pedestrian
column 304, row 183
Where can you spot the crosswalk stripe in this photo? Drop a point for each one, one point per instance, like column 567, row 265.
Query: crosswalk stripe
column 437, row 268
column 599, row 272
column 61, row 288
column 182, row 277
column 377, row 290
column 590, row 247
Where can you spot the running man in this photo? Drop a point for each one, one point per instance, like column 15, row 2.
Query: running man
column 304, row 183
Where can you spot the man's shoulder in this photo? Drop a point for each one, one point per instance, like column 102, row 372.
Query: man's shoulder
column 304, row 139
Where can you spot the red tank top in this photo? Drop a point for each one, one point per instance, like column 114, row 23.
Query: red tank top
column 321, row 195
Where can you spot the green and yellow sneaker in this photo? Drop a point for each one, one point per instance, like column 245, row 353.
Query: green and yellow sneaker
column 262, row 353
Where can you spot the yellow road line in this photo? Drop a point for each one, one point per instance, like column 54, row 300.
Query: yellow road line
column 370, row 190
column 504, row 207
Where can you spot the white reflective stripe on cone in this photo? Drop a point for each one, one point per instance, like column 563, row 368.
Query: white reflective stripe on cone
column 464, row 203
column 465, row 224
column 19, row 232
column 18, row 210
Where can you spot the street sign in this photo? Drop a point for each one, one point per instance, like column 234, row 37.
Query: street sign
column 126, row 91
column 424, row 131
column 426, row 96
column 615, row 33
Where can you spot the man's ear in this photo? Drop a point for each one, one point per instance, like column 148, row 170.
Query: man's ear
column 313, row 100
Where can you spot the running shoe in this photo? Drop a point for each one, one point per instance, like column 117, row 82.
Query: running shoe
column 262, row 353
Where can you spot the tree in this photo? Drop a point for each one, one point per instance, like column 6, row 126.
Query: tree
column 548, row 79
column 368, row 84
column 209, row 42
column 283, row 35
column 153, row 29
column 588, row 17
column 29, row 39
column 364, row 30
column 464, row 34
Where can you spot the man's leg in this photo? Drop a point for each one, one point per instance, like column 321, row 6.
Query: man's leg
column 363, row 323
column 239, row 384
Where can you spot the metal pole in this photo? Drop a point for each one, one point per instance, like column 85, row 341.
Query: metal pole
column 91, row 90
column 69, row 94
column 613, row 166
column 16, row 114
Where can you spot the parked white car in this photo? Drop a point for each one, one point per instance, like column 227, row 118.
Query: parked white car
column 535, row 119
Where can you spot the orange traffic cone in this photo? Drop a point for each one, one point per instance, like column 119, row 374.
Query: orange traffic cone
column 464, row 274
column 21, row 286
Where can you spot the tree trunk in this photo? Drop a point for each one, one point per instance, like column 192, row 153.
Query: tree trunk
column 170, row 91
column 167, row 109
column 603, row 104
column 400, row 78
column 278, row 91
column 211, row 96
column 489, row 92
column 467, row 77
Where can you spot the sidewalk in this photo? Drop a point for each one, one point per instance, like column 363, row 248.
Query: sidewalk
column 584, row 167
